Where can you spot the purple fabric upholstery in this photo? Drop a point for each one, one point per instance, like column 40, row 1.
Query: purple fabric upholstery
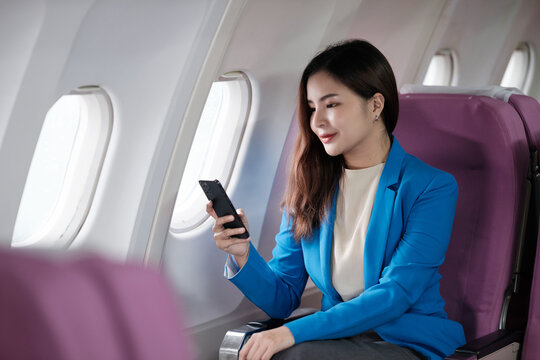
column 529, row 111
column 85, row 308
column 481, row 142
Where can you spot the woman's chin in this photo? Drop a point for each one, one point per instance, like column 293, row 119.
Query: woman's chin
column 331, row 151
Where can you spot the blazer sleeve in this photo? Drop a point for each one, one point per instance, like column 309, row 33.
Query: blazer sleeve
column 277, row 286
column 412, row 268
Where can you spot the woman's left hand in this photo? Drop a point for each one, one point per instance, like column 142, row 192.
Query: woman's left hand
column 263, row 345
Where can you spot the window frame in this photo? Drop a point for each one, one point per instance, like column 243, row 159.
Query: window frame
column 451, row 58
column 82, row 173
column 245, row 93
column 524, row 84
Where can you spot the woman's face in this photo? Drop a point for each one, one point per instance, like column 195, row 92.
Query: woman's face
column 344, row 121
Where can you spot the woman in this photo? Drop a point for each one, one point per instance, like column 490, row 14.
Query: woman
column 369, row 223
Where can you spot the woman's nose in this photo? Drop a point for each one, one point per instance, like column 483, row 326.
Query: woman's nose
column 318, row 118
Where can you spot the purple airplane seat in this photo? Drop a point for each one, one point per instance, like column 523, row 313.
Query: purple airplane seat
column 528, row 110
column 482, row 142
column 85, row 308
column 527, row 107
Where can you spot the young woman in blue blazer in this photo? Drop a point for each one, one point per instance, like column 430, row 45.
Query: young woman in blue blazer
column 367, row 222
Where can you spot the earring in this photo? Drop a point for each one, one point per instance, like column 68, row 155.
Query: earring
column 376, row 117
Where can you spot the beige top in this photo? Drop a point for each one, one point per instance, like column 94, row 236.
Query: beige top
column 353, row 210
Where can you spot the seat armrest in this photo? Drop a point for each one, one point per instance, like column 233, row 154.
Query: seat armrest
column 476, row 349
column 236, row 338
column 486, row 345
column 274, row 323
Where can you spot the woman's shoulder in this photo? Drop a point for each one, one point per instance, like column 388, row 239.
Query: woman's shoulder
column 420, row 174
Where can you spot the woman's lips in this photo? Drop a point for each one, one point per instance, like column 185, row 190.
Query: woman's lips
column 326, row 138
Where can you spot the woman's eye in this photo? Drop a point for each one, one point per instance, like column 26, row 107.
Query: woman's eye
column 331, row 105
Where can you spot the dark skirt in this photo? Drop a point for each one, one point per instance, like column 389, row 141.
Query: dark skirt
column 364, row 346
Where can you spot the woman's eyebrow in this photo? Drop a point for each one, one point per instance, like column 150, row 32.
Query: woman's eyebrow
column 323, row 97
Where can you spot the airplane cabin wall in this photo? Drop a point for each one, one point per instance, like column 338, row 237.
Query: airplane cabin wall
column 483, row 35
column 531, row 34
column 32, row 61
column 400, row 29
column 273, row 57
column 146, row 56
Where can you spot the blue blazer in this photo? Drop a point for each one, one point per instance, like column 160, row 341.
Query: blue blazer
column 406, row 241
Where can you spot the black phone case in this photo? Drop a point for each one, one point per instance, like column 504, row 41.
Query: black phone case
column 222, row 205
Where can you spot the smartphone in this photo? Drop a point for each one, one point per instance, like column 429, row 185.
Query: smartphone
column 223, row 205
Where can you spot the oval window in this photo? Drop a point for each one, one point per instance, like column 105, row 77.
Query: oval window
column 442, row 69
column 64, row 169
column 520, row 68
column 214, row 148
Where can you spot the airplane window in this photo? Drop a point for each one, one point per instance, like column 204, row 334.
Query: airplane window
column 442, row 70
column 214, row 148
column 519, row 70
column 64, row 170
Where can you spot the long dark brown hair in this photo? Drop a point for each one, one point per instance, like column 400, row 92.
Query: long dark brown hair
column 314, row 175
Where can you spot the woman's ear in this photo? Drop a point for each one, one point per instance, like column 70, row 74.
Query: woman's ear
column 377, row 104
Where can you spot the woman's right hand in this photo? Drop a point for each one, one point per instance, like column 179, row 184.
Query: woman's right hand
column 239, row 248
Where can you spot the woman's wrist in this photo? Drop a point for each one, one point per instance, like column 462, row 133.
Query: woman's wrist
column 241, row 260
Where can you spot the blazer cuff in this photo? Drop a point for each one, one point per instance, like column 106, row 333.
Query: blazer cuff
column 248, row 276
column 231, row 267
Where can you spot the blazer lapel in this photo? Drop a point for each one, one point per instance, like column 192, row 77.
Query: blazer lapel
column 381, row 215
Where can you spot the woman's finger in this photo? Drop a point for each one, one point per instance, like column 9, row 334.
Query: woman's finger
column 260, row 347
column 228, row 245
column 218, row 226
column 210, row 210
column 245, row 350
column 243, row 217
column 229, row 233
column 226, row 242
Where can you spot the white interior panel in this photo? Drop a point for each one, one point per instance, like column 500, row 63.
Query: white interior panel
column 32, row 83
column 400, row 30
column 162, row 45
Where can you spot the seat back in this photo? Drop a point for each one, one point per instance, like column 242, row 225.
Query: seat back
column 86, row 308
column 527, row 107
column 529, row 110
column 481, row 141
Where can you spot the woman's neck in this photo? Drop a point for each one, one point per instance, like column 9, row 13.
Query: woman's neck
column 373, row 153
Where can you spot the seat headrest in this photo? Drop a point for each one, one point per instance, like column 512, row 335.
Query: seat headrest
column 495, row 92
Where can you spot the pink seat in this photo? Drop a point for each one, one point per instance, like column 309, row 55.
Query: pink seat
column 529, row 110
column 482, row 142
column 85, row 308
